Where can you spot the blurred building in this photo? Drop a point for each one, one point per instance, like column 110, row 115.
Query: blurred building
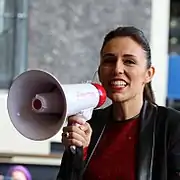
column 64, row 38
column 173, row 93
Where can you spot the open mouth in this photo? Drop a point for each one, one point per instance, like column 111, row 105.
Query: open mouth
column 118, row 84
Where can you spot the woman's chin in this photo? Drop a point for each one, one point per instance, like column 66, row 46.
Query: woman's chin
column 117, row 97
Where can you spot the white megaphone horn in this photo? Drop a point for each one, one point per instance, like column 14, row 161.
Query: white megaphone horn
column 38, row 104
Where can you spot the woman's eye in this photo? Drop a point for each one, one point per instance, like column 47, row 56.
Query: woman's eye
column 109, row 60
column 129, row 61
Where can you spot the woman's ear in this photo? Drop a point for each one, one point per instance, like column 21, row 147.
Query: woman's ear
column 149, row 74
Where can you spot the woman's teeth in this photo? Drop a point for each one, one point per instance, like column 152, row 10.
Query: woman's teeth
column 119, row 83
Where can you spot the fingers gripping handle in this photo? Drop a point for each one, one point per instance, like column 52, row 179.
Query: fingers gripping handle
column 86, row 114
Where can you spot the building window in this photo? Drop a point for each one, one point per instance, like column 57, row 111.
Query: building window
column 174, row 34
column 13, row 39
column 173, row 91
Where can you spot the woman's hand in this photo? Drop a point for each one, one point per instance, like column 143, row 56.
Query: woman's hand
column 77, row 133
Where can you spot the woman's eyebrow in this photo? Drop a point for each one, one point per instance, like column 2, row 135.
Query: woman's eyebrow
column 108, row 55
column 129, row 55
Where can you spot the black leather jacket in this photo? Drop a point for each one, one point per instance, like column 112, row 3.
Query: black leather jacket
column 158, row 150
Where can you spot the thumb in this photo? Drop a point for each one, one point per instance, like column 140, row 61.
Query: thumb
column 76, row 119
column 86, row 128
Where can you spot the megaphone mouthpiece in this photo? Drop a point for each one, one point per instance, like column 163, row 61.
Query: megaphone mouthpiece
column 47, row 103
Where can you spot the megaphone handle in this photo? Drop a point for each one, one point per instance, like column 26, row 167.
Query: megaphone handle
column 87, row 114
column 73, row 148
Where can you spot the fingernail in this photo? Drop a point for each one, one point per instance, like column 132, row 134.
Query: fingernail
column 81, row 127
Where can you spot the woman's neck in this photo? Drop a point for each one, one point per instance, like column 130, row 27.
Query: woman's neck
column 128, row 109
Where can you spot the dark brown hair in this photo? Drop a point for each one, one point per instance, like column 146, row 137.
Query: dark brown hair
column 138, row 36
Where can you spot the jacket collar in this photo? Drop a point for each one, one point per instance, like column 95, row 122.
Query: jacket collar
column 146, row 141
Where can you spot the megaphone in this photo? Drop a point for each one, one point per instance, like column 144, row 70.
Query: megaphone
column 38, row 104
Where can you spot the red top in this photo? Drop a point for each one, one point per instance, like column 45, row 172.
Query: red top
column 114, row 157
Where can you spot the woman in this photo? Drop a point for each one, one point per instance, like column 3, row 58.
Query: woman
column 19, row 173
column 132, row 139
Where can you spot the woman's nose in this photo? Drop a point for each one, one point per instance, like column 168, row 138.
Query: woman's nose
column 119, row 67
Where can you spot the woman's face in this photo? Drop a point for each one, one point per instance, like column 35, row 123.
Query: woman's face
column 123, row 69
column 18, row 175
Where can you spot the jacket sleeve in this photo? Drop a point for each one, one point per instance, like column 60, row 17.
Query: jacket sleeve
column 64, row 166
column 71, row 165
column 174, row 148
column 174, row 162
